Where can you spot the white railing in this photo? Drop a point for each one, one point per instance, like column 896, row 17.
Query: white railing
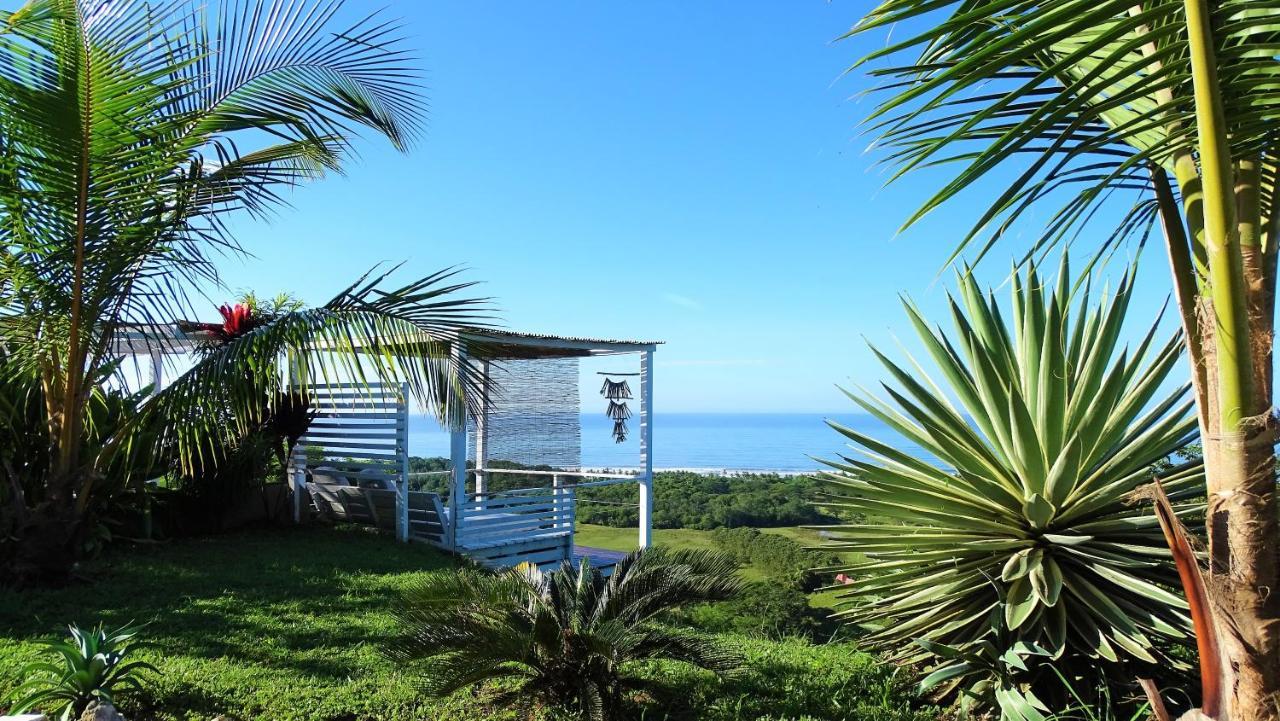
column 532, row 515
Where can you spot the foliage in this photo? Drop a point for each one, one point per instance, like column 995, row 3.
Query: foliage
column 287, row 625
column 777, row 555
column 682, row 499
column 94, row 666
column 770, row 608
column 1169, row 107
column 25, row 457
column 133, row 134
column 685, row 499
column 568, row 636
column 1020, row 549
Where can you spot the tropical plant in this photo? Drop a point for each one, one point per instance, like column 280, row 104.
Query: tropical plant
column 567, row 636
column 1170, row 103
column 132, row 132
column 1013, row 546
column 25, row 455
column 93, row 667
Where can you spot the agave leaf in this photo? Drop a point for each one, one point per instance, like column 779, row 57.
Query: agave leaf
column 1038, row 511
column 943, row 674
column 1016, row 567
column 1020, row 603
column 1001, row 538
column 1046, row 580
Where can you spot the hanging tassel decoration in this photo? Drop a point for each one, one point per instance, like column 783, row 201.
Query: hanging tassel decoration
column 617, row 392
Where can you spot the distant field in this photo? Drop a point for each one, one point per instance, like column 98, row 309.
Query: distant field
column 624, row 539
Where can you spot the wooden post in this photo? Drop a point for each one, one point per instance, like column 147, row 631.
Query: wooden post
column 157, row 370
column 482, row 434
column 646, row 448
column 299, row 478
column 297, row 461
column 458, row 455
column 157, row 378
column 402, row 455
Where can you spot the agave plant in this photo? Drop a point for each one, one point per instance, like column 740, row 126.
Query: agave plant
column 1016, row 543
column 94, row 667
column 568, row 636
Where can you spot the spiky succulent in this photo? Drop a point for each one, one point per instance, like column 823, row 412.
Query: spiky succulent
column 1011, row 540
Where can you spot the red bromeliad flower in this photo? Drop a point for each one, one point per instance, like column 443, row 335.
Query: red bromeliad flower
column 237, row 319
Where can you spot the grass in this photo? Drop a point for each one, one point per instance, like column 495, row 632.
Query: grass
column 286, row 625
column 624, row 539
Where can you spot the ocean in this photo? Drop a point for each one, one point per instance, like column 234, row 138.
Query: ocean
column 711, row 441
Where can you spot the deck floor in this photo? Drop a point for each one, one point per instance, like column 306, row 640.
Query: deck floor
column 598, row 557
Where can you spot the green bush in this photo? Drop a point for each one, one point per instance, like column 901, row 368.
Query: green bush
column 569, row 637
column 777, row 555
column 287, row 625
column 1020, row 553
column 764, row 608
column 89, row 667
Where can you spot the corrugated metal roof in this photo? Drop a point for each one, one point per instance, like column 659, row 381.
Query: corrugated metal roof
column 499, row 333
column 182, row 337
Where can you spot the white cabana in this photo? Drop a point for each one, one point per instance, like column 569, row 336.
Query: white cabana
column 353, row 463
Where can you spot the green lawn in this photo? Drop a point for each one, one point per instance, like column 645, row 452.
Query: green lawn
column 286, row 625
column 624, row 539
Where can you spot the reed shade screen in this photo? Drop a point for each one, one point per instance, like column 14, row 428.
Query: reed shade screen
column 533, row 414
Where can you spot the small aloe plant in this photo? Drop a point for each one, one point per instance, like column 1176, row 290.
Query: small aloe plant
column 94, row 666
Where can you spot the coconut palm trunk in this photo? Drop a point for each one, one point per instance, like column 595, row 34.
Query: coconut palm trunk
column 1230, row 321
column 1175, row 105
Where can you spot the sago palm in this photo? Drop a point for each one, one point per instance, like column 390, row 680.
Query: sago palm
column 131, row 133
column 568, row 636
column 1172, row 107
column 1015, row 542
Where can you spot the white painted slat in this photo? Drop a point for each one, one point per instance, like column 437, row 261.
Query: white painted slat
column 355, row 415
column 342, row 453
column 369, row 445
column 508, row 525
column 505, row 503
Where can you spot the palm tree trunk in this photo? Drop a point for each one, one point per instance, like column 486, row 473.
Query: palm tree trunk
column 1240, row 463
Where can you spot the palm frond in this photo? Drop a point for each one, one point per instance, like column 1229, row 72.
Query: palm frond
column 367, row 333
column 1086, row 93
column 568, row 635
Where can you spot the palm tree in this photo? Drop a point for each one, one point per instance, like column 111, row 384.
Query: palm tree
column 1172, row 103
column 131, row 132
column 568, row 636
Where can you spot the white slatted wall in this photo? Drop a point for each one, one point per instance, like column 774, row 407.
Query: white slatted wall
column 361, row 432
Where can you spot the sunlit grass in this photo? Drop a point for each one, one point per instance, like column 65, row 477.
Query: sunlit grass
column 288, row 625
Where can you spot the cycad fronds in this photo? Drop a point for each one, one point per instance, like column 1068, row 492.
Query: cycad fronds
column 569, row 634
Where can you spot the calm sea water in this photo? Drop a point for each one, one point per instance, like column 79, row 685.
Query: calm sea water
column 726, row 441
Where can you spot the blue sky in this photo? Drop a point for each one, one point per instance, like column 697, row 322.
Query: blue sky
column 683, row 171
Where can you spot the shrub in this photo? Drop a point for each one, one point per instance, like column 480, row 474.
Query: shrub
column 779, row 556
column 1017, row 548
column 568, row 636
column 764, row 608
column 94, row 667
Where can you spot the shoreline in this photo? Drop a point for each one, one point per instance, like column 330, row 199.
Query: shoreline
column 725, row 472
